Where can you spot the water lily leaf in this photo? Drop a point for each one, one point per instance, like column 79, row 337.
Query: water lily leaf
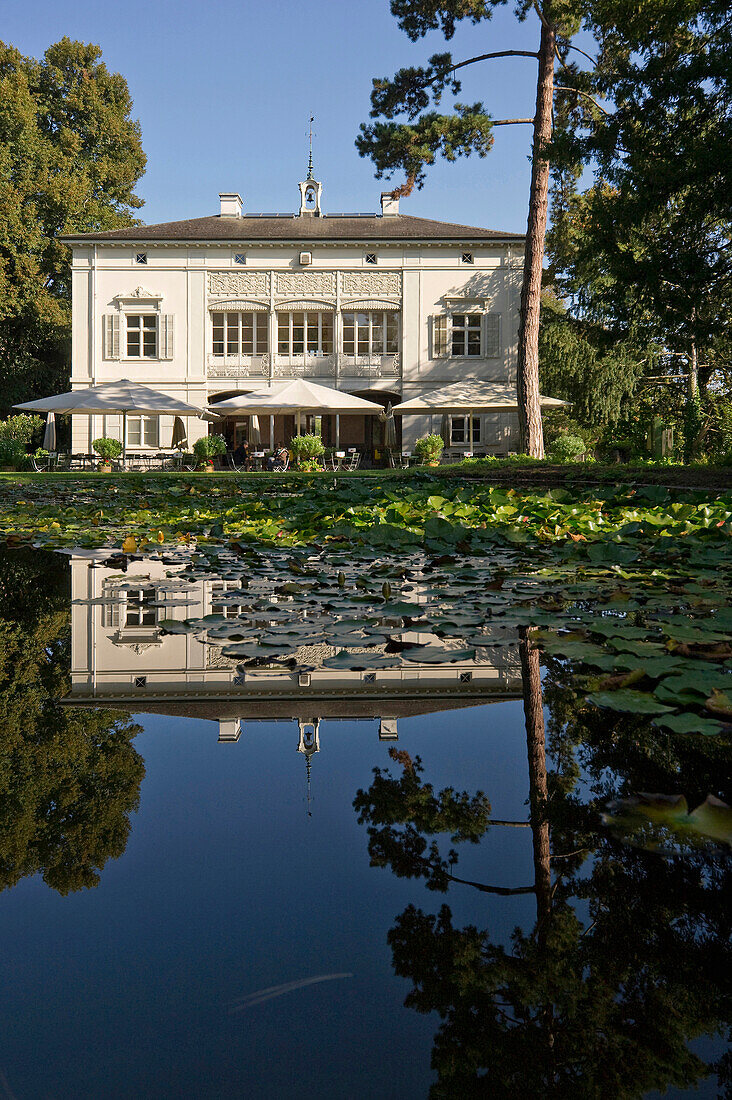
column 634, row 702
column 663, row 824
column 690, row 723
column 436, row 655
column 175, row 626
column 359, row 662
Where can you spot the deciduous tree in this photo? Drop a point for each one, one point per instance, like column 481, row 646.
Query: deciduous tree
column 70, row 157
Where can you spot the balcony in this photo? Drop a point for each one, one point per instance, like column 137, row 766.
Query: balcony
column 304, row 366
column 238, row 366
column 310, row 365
column 370, row 366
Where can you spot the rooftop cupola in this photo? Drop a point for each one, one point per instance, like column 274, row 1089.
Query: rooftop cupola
column 310, row 188
column 231, row 204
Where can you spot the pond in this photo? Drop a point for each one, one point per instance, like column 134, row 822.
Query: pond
column 340, row 820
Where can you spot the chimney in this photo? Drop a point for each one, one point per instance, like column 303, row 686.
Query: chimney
column 389, row 204
column 230, row 204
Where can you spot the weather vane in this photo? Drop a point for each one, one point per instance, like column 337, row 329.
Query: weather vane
column 310, row 140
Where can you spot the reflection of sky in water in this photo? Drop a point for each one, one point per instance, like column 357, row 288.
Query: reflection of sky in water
column 228, row 888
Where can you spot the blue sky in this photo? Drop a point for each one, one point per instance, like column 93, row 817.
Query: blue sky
column 223, row 92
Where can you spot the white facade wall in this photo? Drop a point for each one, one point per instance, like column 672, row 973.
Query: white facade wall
column 183, row 280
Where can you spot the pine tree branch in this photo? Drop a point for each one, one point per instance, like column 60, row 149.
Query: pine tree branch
column 585, row 95
column 498, row 53
column 509, row 121
column 544, row 22
column 589, row 58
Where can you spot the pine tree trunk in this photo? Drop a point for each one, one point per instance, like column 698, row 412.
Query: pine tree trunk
column 538, row 789
column 527, row 377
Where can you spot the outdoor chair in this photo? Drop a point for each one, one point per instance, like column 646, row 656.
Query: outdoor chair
column 353, row 459
column 232, row 464
column 40, row 465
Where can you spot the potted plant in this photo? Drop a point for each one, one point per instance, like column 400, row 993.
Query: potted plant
column 428, row 450
column 107, row 449
column 207, row 449
column 307, row 450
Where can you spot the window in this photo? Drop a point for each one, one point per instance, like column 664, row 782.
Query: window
column 298, row 333
column 467, row 258
column 460, row 431
column 142, row 431
column 371, row 333
column 141, row 258
column 466, row 334
column 240, row 333
column 142, row 336
column 240, row 258
column 370, row 257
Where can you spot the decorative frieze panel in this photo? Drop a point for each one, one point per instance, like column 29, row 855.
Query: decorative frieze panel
column 238, row 283
column 370, row 284
column 304, row 284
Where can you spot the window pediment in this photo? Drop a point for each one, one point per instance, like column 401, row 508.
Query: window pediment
column 304, row 304
column 238, row 304
column 138, row 298
column 369, row 303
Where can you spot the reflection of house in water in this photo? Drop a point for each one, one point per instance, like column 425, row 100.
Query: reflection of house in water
column 121, row 657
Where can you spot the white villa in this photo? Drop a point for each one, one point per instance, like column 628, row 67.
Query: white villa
column 385, row 306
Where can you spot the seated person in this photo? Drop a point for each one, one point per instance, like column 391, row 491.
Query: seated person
column 241, row 455
column 278, row 460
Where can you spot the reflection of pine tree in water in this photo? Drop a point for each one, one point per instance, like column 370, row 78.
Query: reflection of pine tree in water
column 69, row 779
column 602, row 1011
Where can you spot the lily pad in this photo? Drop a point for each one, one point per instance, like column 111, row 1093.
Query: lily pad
column 625, row 699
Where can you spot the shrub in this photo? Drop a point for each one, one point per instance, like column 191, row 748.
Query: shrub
column 107, row 449
column 307, row 449
column 567, row 448
column 13, row 453
column 210, row 446
column 429, row 448
column 24, row 428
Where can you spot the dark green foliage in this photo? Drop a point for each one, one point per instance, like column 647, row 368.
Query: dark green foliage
column 643, row 255
column 593, row 1007
column 70, row 157
column 69, row 779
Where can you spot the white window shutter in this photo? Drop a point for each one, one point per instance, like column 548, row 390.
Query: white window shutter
column 492, row 336
column 110, row 336
column 440, row 336
column 166, row 336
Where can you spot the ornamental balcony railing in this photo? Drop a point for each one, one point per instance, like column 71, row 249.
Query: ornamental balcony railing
column 238, row 366
column 309, row 365
column 304, row 366
column 370, row 366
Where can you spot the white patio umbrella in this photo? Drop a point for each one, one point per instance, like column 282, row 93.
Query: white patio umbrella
column 390, row 439
column 298, row 396
column 114, row 397
column 469, row 397
column 179, row 434
column 49, row 435
column 254, row 434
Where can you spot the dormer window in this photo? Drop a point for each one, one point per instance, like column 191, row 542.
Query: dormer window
column 370, row 257
column 141, row 258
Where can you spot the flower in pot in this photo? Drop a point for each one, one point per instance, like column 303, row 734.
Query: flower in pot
column 207, row 449
column 107, row 449
column 307, row 450
column 428, row 450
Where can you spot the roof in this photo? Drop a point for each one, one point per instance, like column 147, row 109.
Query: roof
column 290, row 227
column 470, row 396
